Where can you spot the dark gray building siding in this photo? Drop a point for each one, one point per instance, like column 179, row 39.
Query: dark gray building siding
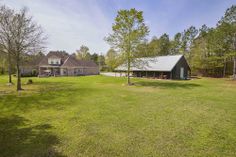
column 176, row 70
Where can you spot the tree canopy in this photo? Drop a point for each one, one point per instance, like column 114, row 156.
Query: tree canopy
column 129, row 30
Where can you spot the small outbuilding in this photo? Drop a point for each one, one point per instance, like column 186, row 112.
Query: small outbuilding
column 163, row 67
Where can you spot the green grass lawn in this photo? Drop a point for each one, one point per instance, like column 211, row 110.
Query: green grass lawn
column 101, row 116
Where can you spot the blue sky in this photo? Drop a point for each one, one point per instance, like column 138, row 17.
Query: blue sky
column 71, row 23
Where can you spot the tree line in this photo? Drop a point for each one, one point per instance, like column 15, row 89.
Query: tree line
column 209, row 51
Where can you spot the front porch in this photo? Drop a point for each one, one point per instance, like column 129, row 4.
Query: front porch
column 49, row 71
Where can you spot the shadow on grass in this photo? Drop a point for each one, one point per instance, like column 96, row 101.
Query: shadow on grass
column 19, row 139
column 166, row 84
column 46, row 95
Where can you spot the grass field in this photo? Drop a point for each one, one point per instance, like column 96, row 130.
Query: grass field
column 101, row 116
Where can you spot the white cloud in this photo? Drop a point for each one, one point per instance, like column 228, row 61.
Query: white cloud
column 69, row 24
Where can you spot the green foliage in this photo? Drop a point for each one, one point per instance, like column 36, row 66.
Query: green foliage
column 176, row 44
column 164, row 45
column 214, row 49
column 112, row 59
column 209, row 51
column 94, row 57
column 83, row 53
column 129, row 30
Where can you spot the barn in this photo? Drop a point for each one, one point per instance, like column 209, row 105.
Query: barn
column 162, row 67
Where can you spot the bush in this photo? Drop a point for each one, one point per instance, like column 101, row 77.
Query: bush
column 30, row 81
column 34, row 72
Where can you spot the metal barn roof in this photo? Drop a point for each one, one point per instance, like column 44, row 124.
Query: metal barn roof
column 161, row 63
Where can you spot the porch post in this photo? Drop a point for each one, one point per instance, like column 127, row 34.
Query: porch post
column 39, row 72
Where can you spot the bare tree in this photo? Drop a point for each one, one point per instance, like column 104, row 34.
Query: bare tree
column 6, row 16
column 21, row 35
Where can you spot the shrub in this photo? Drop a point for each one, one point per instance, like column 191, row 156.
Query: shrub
column 30, row 81
column 34, row 72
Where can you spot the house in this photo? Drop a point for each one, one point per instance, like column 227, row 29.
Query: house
column 164, row 67
column 59, row 63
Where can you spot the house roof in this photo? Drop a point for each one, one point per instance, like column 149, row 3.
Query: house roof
column 66, row 60
column 160, row 63
column 54, row 57
column 71, row 61
column 53, row 54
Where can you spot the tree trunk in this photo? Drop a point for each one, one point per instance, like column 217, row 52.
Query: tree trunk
column 18, row 87
column 9, row 69
column 224, row 70
column 234, row 69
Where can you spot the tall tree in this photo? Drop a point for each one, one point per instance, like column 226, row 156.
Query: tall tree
column 165, row 45
column 6, row 15
column 176, row 44
column 112, row 59
column 83, row 53
column 188, row 37
column 21, row 35
column 3, row 62
column 153, row 47
column 228, row 21
column 94, row 57
column 129, row 30
column 101, row 62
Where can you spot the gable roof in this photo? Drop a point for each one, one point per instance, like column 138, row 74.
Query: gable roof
column 160, row 63
column 54, row 54
column 66, row 60
column 71, row 61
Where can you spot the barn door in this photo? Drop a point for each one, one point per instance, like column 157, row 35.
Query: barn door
column 181, row 73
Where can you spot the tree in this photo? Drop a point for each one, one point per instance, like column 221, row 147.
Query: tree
column 101, row 62
column 112, row 59
column 19, row 35
column 6, row 16
column 94, row 57
column 3, row 62
column 164, row 45
column 188, row 37
column 83, row 53
column 143, row 50
column 228, row 21
column 129, row 30
column 153, row 47
column 176, row 44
